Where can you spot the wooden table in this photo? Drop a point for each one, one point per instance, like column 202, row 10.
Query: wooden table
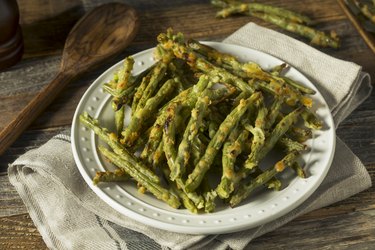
column 346, row 224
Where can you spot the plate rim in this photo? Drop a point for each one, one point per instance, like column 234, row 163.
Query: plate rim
column 188, row 228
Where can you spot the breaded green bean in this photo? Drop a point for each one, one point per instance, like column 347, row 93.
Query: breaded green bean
column 299, row 170
column 316, row 37
column 231, row 150
column 121, row 85
column 196, row 120
column 236, row 143
column 155, row 158
column 112, row 140
column 273, row 112
column 131, row 133
column 285, row 19
column 195, row 178
column 258, row 129
column 169, row 136
column 311, row 120
column 209, row 196
column 245, row 190
column 189, row 135
column 119, row 119
column 119, row 175
column 193, row 196
column 189, row 96
column 227, row 61
column 124, row 78
column 280, row 129
column 290, row 145
column 157, row 74
column 300, row 134
column 186, row 201
column 249, row 70
column 183, row 52
column 234, row 7
column 155, row 188
column 138, row 94
column 197, row 150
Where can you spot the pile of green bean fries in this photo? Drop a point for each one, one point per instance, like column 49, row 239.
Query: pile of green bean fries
column 201, row 122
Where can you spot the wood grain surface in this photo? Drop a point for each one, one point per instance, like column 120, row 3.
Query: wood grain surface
column 97, row 36
column 349, row 224
column 368, row 37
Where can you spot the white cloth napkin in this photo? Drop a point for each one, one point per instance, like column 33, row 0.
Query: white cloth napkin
column 70, row 216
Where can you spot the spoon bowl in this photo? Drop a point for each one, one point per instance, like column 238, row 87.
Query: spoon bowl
column 100, row 34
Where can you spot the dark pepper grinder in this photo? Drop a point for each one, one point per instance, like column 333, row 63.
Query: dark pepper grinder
column 11, row 42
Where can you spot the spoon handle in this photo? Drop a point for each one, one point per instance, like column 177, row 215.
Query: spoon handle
column 35, row 107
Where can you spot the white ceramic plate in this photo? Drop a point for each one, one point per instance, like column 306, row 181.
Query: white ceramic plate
column 256, row 210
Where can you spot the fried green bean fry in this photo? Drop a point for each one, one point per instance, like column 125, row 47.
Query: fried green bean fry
column 273, row 112
column 311, row 120
column 233, row 68
column 195, row 178
column 131, row 133
column 280, row 129
column 155, row 188
column 209, row 196
column 285, row 19
column 234, row 7
column 231, row 150
column 189, row 96
column 122, row 82
column 118, row 148
column 157, row 75
column 191, row 131
column 186, row 201
column 316, row 37
column 255, row 75
column 244, row 191
column 169, row 136
column 196, row 120
column 289, row 145
column 118, row 175
column 182, row 51
column 299, row 170
column 198, row 199
column 300, row 134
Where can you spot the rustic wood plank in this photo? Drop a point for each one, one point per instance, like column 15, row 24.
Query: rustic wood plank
column 45, row 24
column 19, row 232
column 368, row 37
column 29, row 140
column 356, row 232
column 10, row 201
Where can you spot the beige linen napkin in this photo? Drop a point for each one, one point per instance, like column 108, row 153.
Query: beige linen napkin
column 70, row 216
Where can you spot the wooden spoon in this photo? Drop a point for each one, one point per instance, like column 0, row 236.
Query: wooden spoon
column 99, row 35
